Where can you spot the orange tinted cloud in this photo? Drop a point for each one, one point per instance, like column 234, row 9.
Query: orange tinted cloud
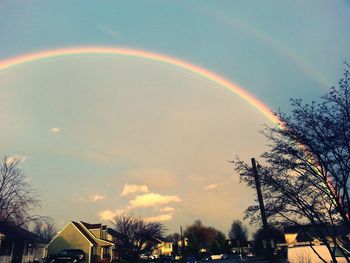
column 133, row 188
column 159, row 218
column 153, row 199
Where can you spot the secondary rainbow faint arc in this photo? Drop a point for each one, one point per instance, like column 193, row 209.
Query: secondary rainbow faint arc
column 26, row 58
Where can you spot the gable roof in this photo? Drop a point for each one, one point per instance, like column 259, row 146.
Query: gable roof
column 97, row 240
column 162, row 239
column 16, row 232
column 91, row 226
column 84, row 232
column 111, row 231
column 308, row 232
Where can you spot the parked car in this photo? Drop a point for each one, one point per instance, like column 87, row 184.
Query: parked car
column 190, row 259
column 147, row 256
column 68, row 255
column 206, row 258
column 165, row 258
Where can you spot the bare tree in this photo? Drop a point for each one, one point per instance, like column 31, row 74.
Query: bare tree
column 135, row 236
column 305, row 176
column 46, row 228
column 17, row 198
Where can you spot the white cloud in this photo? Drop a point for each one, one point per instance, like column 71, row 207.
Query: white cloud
column 210, row 187
column 109, row 214
column 133, row 188
column 167, row 209
column 159, row 218
column 15, row 157
column 153, row 199
column 55, row 130
column 97, row 197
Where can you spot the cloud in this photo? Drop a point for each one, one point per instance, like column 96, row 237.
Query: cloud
column 109, row 214
column 55, row 130
column 167, row 209
column 133, row 188
column 153, row 199
column 112, row 33
column 159, row 218
column 210, row 187
column 97, row 197
column 15, row 157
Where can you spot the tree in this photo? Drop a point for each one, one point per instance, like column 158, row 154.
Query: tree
column 271, row 237
column 45, row 229
column 305, row 176
column 135, row 236
column 238, row 232
column 201, row 237
column 17, row 198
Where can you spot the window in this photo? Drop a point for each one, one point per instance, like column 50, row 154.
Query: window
column 28, row 248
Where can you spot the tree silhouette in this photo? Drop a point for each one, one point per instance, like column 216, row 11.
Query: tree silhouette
column 45, row 228
column 201, row 237
column 135, row 236
column 305, row 173
column 238, row 231
column 17, row 198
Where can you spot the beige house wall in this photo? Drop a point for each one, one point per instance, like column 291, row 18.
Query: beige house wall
column 69, row 238
column 96, row 232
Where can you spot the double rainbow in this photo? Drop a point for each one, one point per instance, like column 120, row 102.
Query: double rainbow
column 27, row 58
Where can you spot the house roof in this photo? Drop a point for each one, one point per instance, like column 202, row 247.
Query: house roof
column 16, row 232
column 162, row 239
column 112, row 232
column 84, row 233
column 97, row 240
column 91, row 226
column 307, row 232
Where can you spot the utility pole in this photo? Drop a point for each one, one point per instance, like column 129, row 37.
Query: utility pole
column 182, row 242
column 260, row 198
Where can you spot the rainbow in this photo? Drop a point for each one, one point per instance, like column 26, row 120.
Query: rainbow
column 27, row 58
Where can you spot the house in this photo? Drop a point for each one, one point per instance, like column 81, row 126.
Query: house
column 163, row 247
column 96, row 240
column 18, row 245
column 302, row 242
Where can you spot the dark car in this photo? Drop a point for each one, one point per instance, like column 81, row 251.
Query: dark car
column 166, row 258
column 68, row 255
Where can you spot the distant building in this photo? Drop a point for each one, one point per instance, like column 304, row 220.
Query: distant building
column 163, row 247
column 96, row 240
column 18, row 245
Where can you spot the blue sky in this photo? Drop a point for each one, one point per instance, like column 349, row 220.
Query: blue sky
column 136, row 135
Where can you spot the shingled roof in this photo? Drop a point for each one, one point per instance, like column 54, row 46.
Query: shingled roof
column 91, row 226
column 84, row 233
column 16, row 232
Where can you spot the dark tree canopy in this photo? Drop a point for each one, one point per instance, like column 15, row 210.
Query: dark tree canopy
column 17, row 199
column 272, row 234
column 238, row 232
column 202, row 237
column 135, row 236
column 305, row 173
